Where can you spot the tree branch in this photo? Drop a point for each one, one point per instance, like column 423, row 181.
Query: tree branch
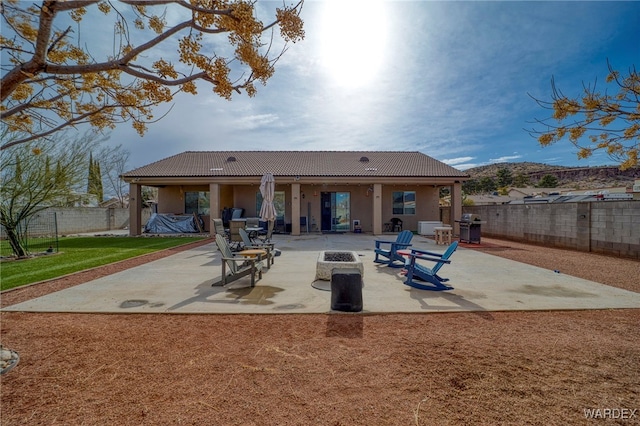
column 53, row 86
column 71, row 122
column 57, row 40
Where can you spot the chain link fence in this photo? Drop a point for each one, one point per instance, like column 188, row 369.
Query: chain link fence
column 40, row 234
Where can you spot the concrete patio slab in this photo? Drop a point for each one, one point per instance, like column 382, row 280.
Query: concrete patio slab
column 182, row 283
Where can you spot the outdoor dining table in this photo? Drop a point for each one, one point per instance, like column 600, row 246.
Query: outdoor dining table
column 253, row 231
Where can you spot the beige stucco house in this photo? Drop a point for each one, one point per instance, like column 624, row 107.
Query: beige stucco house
column 327, row 189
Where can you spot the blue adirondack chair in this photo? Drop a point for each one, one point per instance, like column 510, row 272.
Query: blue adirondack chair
column 402, row 242
column 416, row 271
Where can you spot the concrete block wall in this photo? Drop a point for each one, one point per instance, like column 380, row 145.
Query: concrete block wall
column 608, row 227
column 89, row 219
column 75, row 220
column 616, row 228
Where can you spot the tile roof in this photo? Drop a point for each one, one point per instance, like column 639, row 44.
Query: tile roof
column 297, row 163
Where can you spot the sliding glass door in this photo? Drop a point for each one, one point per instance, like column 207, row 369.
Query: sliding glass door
column 336, row 211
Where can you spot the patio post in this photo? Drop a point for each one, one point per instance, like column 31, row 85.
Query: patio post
column 456, row 207
column 377, row 209
column 214, row 204
column 295, row 209
column 135, row 209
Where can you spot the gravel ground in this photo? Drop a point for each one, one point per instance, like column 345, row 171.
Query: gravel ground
column 487, row 368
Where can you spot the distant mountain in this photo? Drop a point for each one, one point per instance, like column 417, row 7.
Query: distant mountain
column 568, row 177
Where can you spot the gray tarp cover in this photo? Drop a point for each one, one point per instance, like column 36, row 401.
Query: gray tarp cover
column 171, row 224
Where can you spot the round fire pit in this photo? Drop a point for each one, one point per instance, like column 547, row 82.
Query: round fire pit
column 329, row 260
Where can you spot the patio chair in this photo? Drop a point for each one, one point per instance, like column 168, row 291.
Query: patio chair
column 235, row 267
column 253, row 222
column 234, row 236
column 247, row 244
column 266, row 238
column 229, row 213
column 402, row 242
column 416, row 271
column 218, row 228
column 396, row 224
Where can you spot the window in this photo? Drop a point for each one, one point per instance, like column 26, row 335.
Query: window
column 196, row 202
column 278, row 203
column 404, row 202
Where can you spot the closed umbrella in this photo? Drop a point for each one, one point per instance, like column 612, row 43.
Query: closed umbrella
column 268, row 210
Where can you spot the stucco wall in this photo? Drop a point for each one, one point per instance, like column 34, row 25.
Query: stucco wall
column 171, row 198
column 610, row 227
column 427, row 208
column 226, row 197
column 245, row 197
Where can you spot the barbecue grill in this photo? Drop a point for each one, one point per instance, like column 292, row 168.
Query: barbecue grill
column 470, row 228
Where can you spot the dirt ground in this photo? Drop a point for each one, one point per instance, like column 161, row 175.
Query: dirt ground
column 547, row 368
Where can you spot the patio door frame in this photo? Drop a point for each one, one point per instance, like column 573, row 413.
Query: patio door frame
column 335, row 216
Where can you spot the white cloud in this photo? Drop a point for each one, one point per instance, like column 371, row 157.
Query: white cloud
column 256, row 121
column 505, row 158
column 454, row 161
column 467, row 166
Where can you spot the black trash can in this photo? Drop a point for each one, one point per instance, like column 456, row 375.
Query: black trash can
column 346, row 290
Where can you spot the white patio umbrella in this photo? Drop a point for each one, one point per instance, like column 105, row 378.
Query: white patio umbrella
column 268, row 210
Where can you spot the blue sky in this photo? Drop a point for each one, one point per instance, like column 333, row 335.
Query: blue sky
column 449, row 79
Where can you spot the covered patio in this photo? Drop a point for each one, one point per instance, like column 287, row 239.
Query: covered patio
column 315, row 191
